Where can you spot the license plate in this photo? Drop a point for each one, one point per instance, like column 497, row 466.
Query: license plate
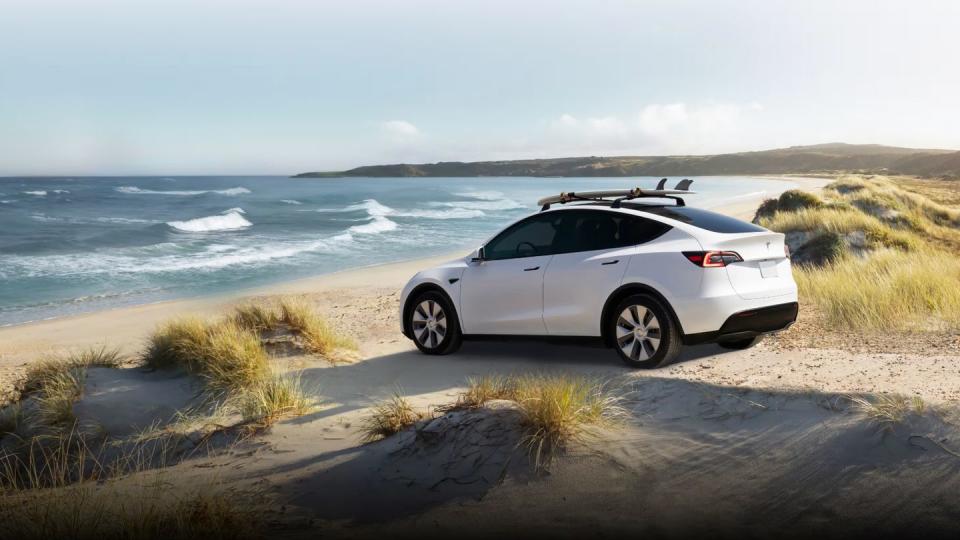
column 768, row 269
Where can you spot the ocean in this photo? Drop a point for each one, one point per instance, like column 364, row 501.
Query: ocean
column 74, row 245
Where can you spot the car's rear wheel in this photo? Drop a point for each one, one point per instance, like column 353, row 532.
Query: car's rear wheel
column 644, row 333
column 434, row 324
column 740, row 344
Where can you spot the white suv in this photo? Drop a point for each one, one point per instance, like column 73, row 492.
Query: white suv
column 645, row 277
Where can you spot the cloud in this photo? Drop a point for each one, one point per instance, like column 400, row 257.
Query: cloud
column 399, row 129
column 658, row 127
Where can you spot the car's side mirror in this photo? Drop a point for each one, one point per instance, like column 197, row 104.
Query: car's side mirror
column 477, row 256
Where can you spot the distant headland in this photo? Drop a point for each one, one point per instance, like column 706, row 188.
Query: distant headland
column 820, row 158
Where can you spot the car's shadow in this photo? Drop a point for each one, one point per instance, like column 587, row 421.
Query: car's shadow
column 411, row 372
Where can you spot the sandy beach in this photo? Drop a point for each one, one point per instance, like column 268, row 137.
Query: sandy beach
column 711, row 437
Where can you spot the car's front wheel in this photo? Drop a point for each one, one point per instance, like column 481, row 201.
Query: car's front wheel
column 644, row 334
column 434, row 324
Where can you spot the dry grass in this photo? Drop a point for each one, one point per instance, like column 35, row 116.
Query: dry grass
column 890, row 290
column 56, row 398
column 297, row 316
column 388, row 418
column 228, row 357
column 56, row 383
column 39, row 373
column 257, row 317
column 888, row 410
column 277, row 396
column 483, row 389
column 905, row 280
column 114, row 511
column 556, row 409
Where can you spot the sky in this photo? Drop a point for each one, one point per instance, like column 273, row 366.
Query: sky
column 127, row 87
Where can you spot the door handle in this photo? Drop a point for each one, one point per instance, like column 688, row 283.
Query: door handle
column 605, row 263
column 531, row 269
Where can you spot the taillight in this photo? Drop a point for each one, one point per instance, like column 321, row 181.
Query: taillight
column 712, row 259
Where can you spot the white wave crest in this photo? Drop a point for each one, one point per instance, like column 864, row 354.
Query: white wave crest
column 226, row 222
column 498, row 204
column 36, row 193
column 377, row 225
column 60, row 191
column 8, row 201
column 232, row 210
column 132, row 190
column 482, row 195
column 375, row 209
column 453, row 213
column 124, row 221
column 291, row 201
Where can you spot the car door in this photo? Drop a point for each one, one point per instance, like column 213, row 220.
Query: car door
column 590, row 265
column 503, row 294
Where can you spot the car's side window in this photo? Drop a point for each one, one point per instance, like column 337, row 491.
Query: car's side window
column 597, row 230
column 531, row 237
column 637, row 230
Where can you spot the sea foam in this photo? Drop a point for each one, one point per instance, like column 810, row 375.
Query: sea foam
column 132, row 190
column 230, row 221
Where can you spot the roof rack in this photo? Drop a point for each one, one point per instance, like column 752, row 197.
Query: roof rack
column 620, row 195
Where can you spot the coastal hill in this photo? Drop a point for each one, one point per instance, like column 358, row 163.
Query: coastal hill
column 820, row 158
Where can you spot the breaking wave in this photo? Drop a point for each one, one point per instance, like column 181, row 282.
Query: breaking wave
column 232, row 220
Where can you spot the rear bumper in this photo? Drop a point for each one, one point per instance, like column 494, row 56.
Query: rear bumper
column 750, row 323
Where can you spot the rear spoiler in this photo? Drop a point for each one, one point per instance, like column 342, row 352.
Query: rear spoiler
column 619, row 195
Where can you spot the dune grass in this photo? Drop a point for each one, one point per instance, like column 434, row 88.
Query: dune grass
column 274, row 397
column 230, row 356
column 39, row 373
column 905, row 278
column 106, row 512
column 889, row 290
column 299, row 317
column 559, row 409
column 388, row 418
column 57, row 382
column 227, row 356
column 555, row 409
column 888, row 410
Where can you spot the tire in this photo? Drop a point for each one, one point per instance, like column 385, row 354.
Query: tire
column 740, row 344
column 644, row 334
column 433, row 324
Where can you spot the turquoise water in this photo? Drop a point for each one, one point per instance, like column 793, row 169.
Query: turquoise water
column 71, row 245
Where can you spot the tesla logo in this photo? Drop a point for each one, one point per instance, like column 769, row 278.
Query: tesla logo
column 768, row 246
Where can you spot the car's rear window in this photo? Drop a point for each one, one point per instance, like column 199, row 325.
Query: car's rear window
column 704, row 219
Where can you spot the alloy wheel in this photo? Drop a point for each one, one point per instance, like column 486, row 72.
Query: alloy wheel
column 638, row 333
column 429, row 323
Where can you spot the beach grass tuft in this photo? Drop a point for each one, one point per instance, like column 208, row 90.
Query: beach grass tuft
column 559, row 409
column 388, row 418
column 555, row 409
column 297, row 316
column 888, row 410
column 276, row 396
column 227, row 356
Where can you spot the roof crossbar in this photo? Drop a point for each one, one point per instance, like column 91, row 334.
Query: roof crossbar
column 620, row 195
